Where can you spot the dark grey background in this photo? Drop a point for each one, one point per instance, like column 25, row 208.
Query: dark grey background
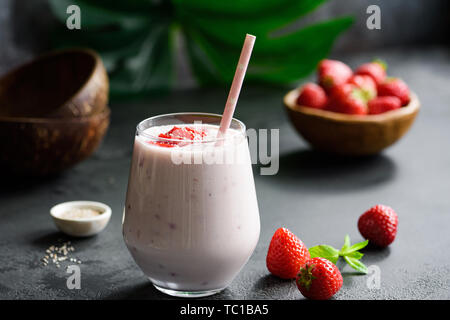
column 317, row 196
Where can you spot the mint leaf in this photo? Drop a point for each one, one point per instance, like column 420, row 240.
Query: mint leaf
column 346, row 243
column 351, row 254
column 357, row 246
column 356, row 254
column 356, row 264
column 325, row 251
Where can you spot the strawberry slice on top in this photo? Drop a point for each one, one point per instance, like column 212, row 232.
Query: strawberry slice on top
column 180, row 134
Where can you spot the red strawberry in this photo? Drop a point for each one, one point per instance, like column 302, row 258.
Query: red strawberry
column 365, row 83
column 286, row 254
column 183, row 133
column 179, row 133
column 379, row 225
column 347, row 98
column 395, row 87
column 312, row 95
column 332, row 73
column 383, row 104
column 375, row 69
column 319, row 279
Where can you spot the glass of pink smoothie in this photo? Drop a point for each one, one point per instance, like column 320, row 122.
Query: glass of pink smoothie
column 191, row 218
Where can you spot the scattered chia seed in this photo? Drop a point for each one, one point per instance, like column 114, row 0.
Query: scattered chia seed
column 59, row 253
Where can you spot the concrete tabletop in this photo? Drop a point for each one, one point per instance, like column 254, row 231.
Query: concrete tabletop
column 318, row 197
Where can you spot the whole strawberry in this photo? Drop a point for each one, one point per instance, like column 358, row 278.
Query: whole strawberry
column 319, row 279
column 332, row 73
column 347, row 98
column 312, row 95
column 379, row 225
column 395, row 87
column 384, row 104
column 286, row 254
column 375, row 69
column 366, row 84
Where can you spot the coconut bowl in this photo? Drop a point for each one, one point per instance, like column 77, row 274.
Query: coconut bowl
column 350, row 135
column 43, row 146
column 60, row 84
column 53, row 112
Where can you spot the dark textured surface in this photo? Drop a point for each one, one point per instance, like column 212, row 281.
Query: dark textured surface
column 318, row 197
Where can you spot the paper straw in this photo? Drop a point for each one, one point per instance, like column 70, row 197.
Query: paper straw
column 236, row 85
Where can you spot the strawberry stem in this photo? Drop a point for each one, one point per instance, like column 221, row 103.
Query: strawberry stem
column 305, row 276
column 382, row 63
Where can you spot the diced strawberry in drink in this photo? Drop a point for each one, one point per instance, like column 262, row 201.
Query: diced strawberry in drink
column 180, row 133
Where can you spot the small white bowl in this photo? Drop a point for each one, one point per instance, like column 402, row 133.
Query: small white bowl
column 81, row 227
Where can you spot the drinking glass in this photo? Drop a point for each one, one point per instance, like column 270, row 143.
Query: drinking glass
column 191, row 225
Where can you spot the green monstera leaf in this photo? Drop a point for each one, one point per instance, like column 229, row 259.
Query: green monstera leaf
column 136, row 39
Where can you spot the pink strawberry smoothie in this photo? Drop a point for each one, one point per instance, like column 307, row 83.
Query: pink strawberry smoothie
column 191, row 227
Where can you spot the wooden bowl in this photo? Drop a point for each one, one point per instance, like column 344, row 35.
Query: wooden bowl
column 42, row 146
column 350, row 135
column 66, row 83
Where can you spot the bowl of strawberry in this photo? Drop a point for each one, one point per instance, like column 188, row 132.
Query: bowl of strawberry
column 352, row 113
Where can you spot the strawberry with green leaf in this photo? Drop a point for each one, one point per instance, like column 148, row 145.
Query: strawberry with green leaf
column 375, row 69
column 349, row 252
column 348, row 98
